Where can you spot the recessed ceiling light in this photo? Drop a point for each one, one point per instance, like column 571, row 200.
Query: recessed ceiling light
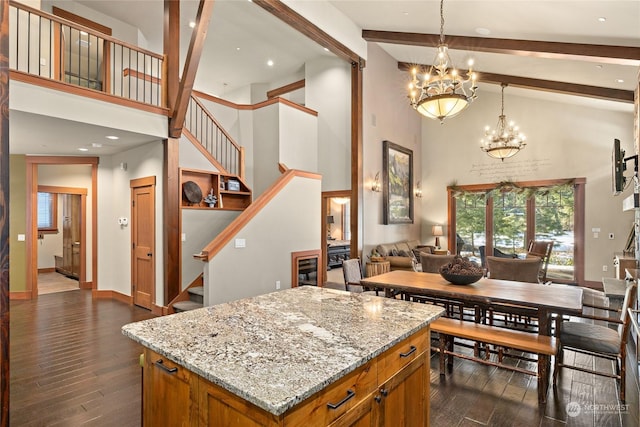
column 270, row 63
column 96, row 145
column 483, row 31
column 83, row 149
column 405, row 13
column 602, row 19
column 112, row 137
column 326, row 49
column 620, row 81
column 599, row 66
column 237, row 48
column 192, row 24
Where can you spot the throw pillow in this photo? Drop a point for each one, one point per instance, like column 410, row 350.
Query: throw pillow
column 394, row 252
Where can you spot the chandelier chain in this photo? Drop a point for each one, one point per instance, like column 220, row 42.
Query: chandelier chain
column 441, row 21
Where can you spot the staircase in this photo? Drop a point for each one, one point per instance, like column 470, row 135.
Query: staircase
column 196, row 299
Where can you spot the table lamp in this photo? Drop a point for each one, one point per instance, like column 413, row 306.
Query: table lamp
column 329, row 222
column 436, row 230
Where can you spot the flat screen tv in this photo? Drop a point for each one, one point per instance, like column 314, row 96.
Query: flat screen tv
column 618, row 167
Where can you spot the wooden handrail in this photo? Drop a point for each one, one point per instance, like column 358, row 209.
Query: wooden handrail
column 268, row 102
column 249, row 213
column 77, row 26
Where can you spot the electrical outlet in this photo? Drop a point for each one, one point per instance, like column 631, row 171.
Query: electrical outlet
column 277, row 284
column 605, row 268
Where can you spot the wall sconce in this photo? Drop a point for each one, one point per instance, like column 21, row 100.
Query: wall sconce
column 375, row 187
column 436, row 231
column 418, row 192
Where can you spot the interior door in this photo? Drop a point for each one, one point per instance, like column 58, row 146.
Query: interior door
column 143, row 241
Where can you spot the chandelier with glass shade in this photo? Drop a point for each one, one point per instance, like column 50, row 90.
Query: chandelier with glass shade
column 505, row 140
column 441, row 93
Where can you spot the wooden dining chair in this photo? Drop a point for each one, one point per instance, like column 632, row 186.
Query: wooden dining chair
column 352, row 271
column 598, row 341
column 541, row 249
column 516, row 269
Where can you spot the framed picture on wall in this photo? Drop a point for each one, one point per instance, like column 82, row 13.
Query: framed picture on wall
column 397, row 197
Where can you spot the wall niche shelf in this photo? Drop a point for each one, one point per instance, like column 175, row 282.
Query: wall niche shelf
column 233, row 200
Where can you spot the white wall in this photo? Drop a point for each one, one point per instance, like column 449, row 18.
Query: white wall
column 563, row 141
column 386, row 116
column 289, row 223
column 73, row 176
column 298, row 138
column 328, row 91
column 265, row 148
column 114, row 244
column 121, row 30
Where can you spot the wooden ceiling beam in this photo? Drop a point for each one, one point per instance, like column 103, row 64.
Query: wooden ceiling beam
column 619, row 55
column 190, row 67
column 609, row 94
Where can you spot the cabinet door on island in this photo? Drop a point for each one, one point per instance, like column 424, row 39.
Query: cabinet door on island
column 168, row 391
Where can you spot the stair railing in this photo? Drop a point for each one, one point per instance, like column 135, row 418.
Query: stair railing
column 206, row 129
column 54, row 48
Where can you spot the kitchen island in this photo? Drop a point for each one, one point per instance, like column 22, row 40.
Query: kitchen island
column 303, row 356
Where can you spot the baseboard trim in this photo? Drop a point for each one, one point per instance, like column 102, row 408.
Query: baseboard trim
column 158, row 310
column 86, row 285
column 47, row 270
column 112, row 295
column 23, row 295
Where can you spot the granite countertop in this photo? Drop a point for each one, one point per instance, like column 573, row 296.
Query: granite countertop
column 276, row 350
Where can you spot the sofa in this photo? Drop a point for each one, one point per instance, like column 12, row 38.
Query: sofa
column 403, row 255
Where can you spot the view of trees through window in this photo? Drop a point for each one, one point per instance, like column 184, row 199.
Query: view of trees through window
column 515, row 217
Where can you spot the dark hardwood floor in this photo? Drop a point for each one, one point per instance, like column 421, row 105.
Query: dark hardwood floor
column 71, row 366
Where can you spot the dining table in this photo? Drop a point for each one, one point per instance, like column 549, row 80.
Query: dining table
column 546, row 300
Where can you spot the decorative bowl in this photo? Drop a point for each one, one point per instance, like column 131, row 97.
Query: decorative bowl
column 459, row 279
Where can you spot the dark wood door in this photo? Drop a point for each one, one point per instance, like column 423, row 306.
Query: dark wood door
column 71, row 223
column 143, row 245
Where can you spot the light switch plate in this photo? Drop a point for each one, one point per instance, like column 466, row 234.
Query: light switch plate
column 241, row 243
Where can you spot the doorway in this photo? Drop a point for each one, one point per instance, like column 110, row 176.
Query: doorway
column 68, row 175
column 61, row 219
column 337, row 229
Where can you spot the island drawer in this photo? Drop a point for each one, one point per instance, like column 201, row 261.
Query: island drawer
column 398, row 356
column 327, row 405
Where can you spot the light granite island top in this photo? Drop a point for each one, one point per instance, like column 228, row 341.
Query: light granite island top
column 276, row 350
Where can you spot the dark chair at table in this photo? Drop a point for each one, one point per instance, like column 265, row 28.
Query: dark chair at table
column 541, row 249
column 432, row 263
column 352, row 271
column 516, row 269
column 519, row 270
column 599, row 341
column 496, row 252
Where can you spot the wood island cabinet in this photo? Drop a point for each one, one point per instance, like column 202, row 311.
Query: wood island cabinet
column 391, row 389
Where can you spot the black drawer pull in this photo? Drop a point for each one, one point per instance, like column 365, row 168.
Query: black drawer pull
column 413, row 349
column 350, row 394
column 160, row 365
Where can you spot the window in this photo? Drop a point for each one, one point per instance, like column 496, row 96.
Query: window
column 507, row 216
column 47, row 213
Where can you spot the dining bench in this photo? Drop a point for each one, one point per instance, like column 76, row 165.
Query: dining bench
column 542, row 345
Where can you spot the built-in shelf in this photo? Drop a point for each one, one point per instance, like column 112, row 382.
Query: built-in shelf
column 207, row 181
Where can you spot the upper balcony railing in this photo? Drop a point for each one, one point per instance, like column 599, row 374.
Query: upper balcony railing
column 54, row 48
